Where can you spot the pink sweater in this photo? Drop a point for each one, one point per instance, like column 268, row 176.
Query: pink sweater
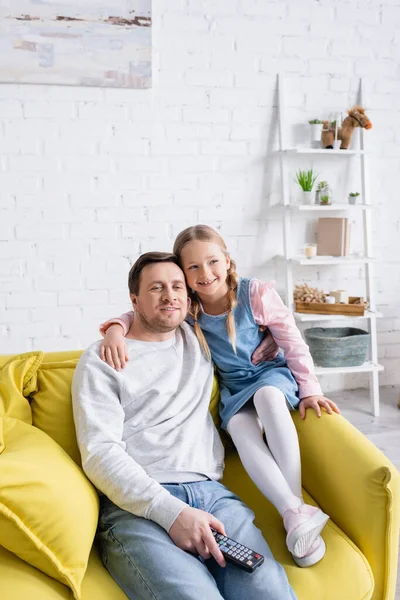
column 268, row 310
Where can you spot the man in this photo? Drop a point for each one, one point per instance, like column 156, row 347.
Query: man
column 148, row 443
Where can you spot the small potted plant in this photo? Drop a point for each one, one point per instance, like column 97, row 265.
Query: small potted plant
column 306, row 180
column 315, row 129
column 325, row 196
column 320, row 188
column 353, row 197
column 325, row 199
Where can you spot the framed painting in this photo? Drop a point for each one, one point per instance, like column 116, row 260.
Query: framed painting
column 104, row 43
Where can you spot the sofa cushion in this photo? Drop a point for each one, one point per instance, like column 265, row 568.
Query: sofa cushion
column 17, row 381
column 48, row 508
column 20, row 581
column 214, row 402
column 343, row 573
column 51, row 405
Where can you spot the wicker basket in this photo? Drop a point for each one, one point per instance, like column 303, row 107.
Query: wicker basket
column 337, row 346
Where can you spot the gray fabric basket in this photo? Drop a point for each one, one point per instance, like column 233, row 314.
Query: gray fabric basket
column 337, row 346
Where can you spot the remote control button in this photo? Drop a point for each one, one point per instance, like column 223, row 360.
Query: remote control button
column 257, row 555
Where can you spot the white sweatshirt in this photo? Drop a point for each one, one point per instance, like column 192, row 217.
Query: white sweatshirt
column 147, row 424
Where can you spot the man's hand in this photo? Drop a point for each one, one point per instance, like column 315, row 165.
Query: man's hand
column 266, row 350
column 315, row 402
column 113, row 348
column 191, row 532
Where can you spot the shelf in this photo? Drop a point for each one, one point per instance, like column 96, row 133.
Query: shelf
column 331, row 260
column 292, row 211
column 307, row 317
column 367, row 367
column 313, row 207
column 323, row 151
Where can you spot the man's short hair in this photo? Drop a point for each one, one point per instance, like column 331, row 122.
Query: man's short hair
column 148, row 258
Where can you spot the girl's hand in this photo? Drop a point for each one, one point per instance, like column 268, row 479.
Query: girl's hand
column 315, row 402
column 113, row 348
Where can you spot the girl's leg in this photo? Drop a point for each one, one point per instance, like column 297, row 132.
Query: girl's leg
column 304, row 523
column 246, row 433
column 281, row 434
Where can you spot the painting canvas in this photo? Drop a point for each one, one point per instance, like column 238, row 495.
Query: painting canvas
column 104, row 43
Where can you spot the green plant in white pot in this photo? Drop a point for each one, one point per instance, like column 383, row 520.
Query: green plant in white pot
column 315, row 130
column 353, row 197
column 306, row 180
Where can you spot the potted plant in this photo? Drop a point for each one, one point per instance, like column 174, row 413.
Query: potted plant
column 325, row 194
column 353, row 197
column 306, row 180
column 325, row 199
column 320, row 188
column 315, row 129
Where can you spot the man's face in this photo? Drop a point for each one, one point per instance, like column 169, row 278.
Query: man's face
column 162, row 301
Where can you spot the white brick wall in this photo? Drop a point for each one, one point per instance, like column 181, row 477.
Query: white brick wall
column 90, row 178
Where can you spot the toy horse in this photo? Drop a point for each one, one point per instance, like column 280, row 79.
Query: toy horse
column 356, row 118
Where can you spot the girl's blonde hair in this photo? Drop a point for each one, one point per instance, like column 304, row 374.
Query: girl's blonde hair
column 204, row 233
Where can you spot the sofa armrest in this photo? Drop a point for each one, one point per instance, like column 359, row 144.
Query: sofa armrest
column 353, row 482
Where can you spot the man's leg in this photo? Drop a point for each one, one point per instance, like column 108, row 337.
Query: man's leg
column 145, row 562
column 269, row 581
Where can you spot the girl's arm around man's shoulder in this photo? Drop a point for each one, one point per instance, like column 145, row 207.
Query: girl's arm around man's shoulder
column 113, row 349
column 124, row 320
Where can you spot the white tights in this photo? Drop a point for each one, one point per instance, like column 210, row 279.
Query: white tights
column 275, row 468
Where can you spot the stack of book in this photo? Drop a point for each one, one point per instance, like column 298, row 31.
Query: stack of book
column 333, row 237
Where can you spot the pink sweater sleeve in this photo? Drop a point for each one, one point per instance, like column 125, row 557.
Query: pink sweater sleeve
column 268, row 309
column 124, row 320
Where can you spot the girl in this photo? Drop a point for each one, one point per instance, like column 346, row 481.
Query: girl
column 226, row 312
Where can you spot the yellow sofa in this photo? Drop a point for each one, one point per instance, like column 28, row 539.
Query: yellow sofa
column 346, row 475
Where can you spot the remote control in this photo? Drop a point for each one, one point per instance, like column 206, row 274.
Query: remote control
column 238, row 554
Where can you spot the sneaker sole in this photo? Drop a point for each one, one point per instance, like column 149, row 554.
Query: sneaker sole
column 312, row 559
column 302, row 538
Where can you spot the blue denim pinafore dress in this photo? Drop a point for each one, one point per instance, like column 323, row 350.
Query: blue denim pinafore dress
column 239, row 379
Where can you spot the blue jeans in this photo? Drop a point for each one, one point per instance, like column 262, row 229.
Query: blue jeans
column 147, row 565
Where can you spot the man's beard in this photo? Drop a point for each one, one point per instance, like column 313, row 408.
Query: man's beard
column 156, row 325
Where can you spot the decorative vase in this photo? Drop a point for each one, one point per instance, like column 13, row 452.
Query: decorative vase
column 308, row 197
column 325, row 196
column 315, row 132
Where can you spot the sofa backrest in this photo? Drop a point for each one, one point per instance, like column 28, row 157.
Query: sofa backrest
column 49, row 376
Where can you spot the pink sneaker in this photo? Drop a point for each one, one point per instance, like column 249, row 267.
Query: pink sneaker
column 303, row 526
column 314, row 555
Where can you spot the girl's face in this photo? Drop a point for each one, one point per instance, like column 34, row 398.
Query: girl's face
column 205, row 267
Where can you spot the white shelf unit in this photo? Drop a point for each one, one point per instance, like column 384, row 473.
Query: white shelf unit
column 367, row 367
column 371, row 366
column 332, row 260
column 293, row 151
column 307, row 317
column 330, row 207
